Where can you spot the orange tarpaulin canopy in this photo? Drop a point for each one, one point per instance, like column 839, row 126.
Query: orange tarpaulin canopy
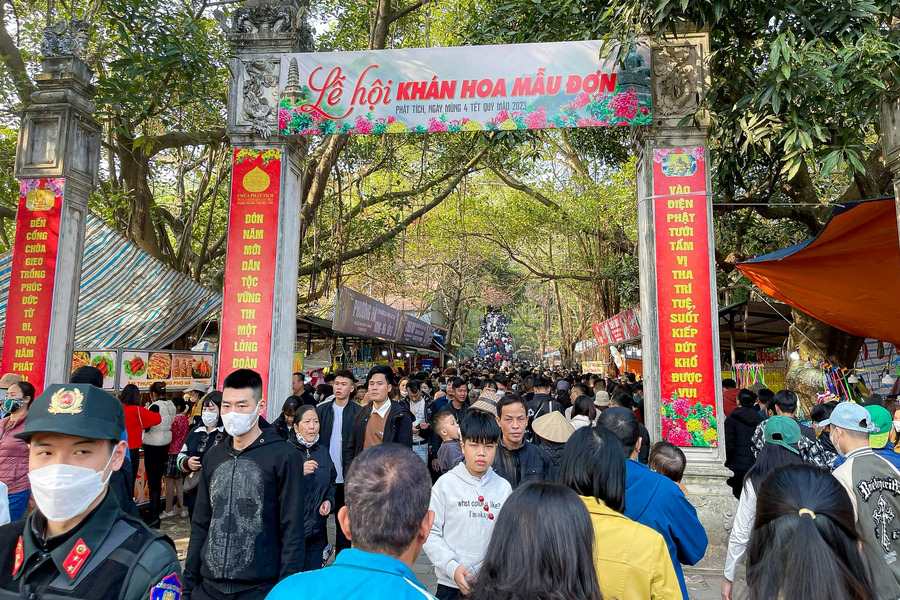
column 848, row 276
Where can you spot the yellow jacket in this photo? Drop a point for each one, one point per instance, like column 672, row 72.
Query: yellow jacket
column 632, row 560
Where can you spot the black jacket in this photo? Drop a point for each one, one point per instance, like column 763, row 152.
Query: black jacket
column 198, row 443
column 397, row 427
column 319, row 485
column 528, row 463
column 325, row 411
column 539, row 405
column 247, row 530
column 121, row 557
column 739, row 428
column 281, row 427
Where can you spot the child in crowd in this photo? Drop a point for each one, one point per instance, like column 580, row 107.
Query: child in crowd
column 450, row 453
column 466, row 502
column 668, row 460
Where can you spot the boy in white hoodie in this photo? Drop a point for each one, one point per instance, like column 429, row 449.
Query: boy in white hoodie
column 466, row 502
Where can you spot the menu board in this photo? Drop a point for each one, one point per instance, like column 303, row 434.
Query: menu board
column 356, row 314
column 175, row 369
column 414, row 332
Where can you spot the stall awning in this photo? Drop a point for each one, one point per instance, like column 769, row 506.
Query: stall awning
column 128, row 299
column 848, row 276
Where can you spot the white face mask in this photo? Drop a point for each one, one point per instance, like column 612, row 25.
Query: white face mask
column 896, row 425
column 239, row 423
column 209, row 417
column 63, row 492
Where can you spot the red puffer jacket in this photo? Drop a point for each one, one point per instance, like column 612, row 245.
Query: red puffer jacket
column 13, row 456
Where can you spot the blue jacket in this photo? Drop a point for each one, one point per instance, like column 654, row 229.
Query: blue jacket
column 354, row 575
column 658, row 503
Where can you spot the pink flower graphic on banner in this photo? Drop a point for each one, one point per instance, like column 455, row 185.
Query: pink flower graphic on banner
column 363, row 125
column 679, row 436
column 682, row 407
column 536, row 119
column 391, row 120
column 283, row 117
column 501, row 116
column 625, row 104
column 436, row 126
column 581, row 100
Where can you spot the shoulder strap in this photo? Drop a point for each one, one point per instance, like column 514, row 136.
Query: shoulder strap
column 135, row 556
column 120, row 532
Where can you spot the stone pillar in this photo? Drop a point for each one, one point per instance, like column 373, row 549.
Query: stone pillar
column 56, row 164
column 259, row 32
column 890, row 140
column 679, row 80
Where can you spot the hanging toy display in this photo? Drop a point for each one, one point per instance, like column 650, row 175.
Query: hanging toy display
column 837, row 382
column 747, row 375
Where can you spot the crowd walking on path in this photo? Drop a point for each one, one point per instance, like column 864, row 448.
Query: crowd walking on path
column 510, row 491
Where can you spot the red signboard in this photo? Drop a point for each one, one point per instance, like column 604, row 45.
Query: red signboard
column 624, row 326
column 686, row 360
column 246, row 338
column 30, row 301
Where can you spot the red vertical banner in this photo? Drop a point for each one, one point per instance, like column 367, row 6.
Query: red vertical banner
column 686, row 359
column 245, row 341
column 29, row 305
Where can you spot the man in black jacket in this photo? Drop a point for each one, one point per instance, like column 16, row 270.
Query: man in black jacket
column 517, row 460
column 381, row 421
column 336, row 418
column 247, row 532
column 739, row 428
column 541, row 402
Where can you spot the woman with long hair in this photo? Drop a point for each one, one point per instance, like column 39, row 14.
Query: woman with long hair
column 203, row 437
column 631, row 559
column 137, row 420
column 542, row 548
column 780, row 450
column 584, row 413
column 804, row 542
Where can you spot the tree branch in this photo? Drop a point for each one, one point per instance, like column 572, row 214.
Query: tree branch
column 153, row 145
column 515, row 184
column 319, row 266
column 399, row 14
column 11, row 57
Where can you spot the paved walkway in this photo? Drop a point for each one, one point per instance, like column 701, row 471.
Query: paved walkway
column 703, row 584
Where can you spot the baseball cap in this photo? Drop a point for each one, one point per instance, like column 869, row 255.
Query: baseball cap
column 562, row 385
column 850, row 416
column 883, row 422
column 77, row 409
column 782, row 431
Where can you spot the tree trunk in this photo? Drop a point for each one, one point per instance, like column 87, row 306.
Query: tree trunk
column 134, row 167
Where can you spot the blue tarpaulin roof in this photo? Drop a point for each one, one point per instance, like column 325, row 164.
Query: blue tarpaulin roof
column 128, row 299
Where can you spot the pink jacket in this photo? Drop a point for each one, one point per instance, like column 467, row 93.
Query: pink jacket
column 13, row 457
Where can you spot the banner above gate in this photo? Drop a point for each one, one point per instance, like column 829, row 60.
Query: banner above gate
column 466, row 88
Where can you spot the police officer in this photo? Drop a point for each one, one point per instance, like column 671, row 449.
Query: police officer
column 79, row 543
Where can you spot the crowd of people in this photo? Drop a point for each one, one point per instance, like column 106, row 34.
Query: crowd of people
column 515, row 483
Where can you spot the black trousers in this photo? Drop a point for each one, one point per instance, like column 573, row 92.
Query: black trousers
column 447, row 593
column 341, row 542
column 135, row 455
column 736, row 482
column 155, row 459
column 314, row 548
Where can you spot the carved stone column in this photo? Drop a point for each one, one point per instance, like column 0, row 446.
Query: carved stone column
column 56, row 164
column 677, row 265
column 890, row 140
column 260, row 305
